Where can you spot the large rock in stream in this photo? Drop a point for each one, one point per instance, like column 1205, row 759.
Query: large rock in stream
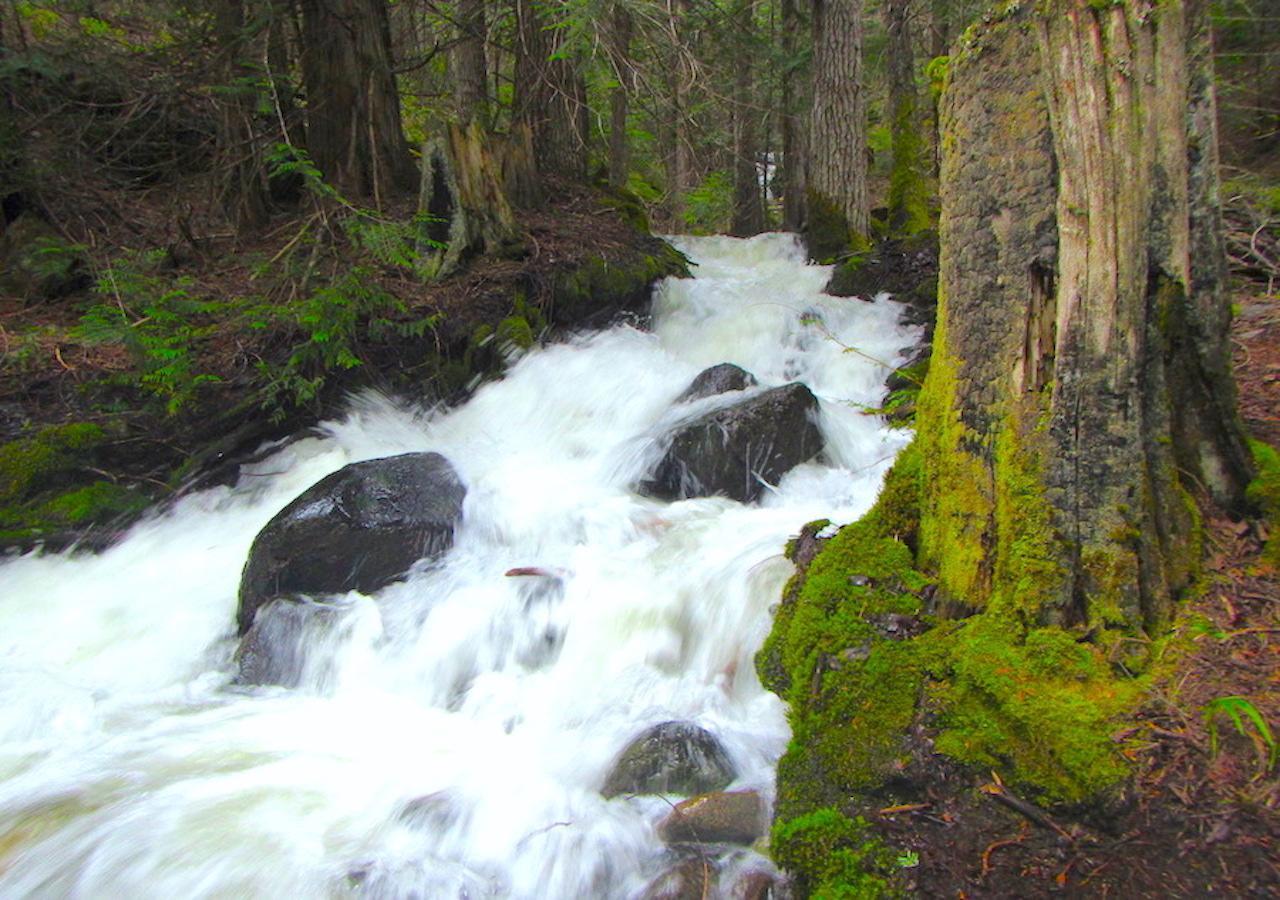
column 730, row 817
column 736, row 450
column 670, row 758
column 360, row 529
column 719, row 379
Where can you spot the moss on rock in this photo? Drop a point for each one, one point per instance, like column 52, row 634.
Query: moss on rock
column 602, row 285
column 1264, row 494
column 45, row 486
column 831, row 855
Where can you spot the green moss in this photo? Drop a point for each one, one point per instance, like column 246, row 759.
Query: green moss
column 1264, row 494
column 1029, row 572
column 601, row 284
column 1038, row 706
column 958, row 510
column 33, row 464
column 836, row 656
column 896, row 513
column 832, row 856
column 97, row 502
column 627, row 204
column 827, row 231
column 515, row 331
column 910, row 190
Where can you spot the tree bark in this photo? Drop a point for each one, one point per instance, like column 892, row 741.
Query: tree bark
column 794, row 144
column 549, row 97
column 244, row 189
column 680, row 77
column 748, row 210
column 838, row 211
column 354, row 132
column 620, row 95
column 1080, row 388
column 12, row 157
column 471, row 79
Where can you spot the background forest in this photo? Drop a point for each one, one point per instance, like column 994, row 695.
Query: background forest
column 219, row 218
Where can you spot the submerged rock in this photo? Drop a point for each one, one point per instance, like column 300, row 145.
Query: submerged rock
column 358, row 529
column 736, row 450
column 694, row 878
column 720, row 817
column 671, row 758
column 285, row 642
column 719, row 379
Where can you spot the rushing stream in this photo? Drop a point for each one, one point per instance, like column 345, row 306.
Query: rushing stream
column 131, row 765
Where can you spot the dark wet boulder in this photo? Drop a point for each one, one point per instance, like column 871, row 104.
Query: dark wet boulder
column 736, row 450
column 719, row 817
column 287, row 643
column 690, row 878
column 671, row 758
column 358, row 529
column 719, row 379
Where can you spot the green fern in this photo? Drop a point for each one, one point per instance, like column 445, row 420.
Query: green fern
column 1238, row 710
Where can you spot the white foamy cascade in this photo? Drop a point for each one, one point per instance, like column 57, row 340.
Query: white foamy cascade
column 131, row 766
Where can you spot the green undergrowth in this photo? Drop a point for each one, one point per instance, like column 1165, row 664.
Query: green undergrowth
column 864, row 665
column 1264, row 493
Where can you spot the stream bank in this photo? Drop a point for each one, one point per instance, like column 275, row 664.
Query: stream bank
column 166, row 368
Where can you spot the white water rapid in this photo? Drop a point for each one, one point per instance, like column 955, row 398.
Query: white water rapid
column 132, row 766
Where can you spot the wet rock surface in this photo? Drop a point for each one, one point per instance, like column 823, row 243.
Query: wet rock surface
column 671, row 758
column 280, row 648
column 359, row 528
column 728, row 817
column 719, row 379
column 736, row 450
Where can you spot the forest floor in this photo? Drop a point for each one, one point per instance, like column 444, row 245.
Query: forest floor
column 1202, row 815
column 189, row 345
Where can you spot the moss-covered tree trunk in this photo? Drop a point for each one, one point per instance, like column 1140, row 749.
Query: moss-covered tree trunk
column 1080, row 392
column 837, row 207
column 908, row 177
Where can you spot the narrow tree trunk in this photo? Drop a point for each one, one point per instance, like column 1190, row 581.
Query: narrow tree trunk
column 548, row 98
column 12, row 157
column 620, row 96
column 354, row 133
column 748, row 213
column 680, row 80
column 1080, row 387
column 471, row 80
column 244, row 189
column 908, row 179
column 794, row 145
column 838, row 211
